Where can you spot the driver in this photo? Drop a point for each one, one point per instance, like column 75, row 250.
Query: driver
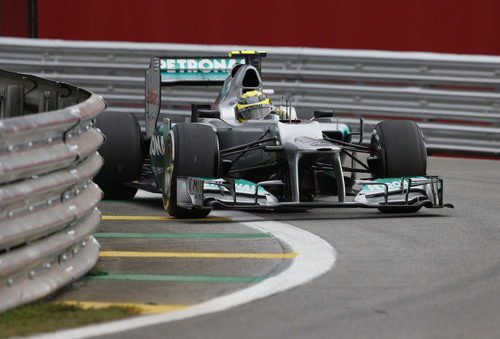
column 255, row 105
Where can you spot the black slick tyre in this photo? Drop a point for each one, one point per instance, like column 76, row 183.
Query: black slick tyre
column 122, row 153
column 14, row 101
column 399, row 148
column 191, row 150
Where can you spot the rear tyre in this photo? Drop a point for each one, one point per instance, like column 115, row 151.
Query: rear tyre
column 14, row 102
column 399, row 151
column 122, row 154
column 192, row 150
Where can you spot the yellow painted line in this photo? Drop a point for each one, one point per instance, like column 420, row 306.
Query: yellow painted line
column 144, row 308
column 152, row 217
column 196, row 255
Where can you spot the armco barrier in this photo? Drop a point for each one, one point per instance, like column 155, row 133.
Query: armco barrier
column 454, row 98
column 47, row 198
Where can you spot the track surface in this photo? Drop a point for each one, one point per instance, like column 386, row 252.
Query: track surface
column 430, row 275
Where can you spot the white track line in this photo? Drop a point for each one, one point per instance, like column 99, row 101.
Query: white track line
column 315, row 257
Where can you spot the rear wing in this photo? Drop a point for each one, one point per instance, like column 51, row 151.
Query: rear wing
column 189, row 71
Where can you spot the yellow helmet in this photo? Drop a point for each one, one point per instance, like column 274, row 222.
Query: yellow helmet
column 252, row 105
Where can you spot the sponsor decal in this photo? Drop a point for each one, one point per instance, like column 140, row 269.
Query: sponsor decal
column 241, row 186
column 157, row 146
column 198, row 65
column 311, row 142
column 393, row 184
column 197, row 69
column 151, row 97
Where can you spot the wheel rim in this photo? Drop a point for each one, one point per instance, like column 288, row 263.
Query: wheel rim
column 375, row 142
column 169, row 166
column 375, row 150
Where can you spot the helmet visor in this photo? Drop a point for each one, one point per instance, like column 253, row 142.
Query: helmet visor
column 255, row 112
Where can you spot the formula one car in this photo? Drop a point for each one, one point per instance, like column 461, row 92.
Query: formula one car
column 267, row 162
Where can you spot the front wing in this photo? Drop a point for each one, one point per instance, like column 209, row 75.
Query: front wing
column 398, row 193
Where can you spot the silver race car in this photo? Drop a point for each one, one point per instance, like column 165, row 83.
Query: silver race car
column 267, row 161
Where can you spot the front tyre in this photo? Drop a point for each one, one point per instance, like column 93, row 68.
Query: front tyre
column 191, row 150
column 398, row 150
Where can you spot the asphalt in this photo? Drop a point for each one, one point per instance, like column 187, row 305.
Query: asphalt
column 434, row 274
column 185, row 293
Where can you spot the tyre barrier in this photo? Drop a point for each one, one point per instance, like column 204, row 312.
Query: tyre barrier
column 47, row 198
column 455, row 99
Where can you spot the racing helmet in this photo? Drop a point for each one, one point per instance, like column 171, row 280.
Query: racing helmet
column 252, row 105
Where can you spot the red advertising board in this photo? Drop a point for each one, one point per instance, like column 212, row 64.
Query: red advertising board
column 452, row 26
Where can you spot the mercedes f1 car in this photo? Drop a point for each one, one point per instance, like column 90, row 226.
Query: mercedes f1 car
column 216, row 160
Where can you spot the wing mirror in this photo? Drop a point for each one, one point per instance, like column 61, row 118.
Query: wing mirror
column 323, row 114
column 208, row 113
column 203, row 111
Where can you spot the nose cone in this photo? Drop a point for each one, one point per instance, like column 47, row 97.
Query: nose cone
column 305, row 137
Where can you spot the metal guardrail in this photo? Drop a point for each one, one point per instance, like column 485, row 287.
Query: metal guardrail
column 454, row 98
column 47, row 198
